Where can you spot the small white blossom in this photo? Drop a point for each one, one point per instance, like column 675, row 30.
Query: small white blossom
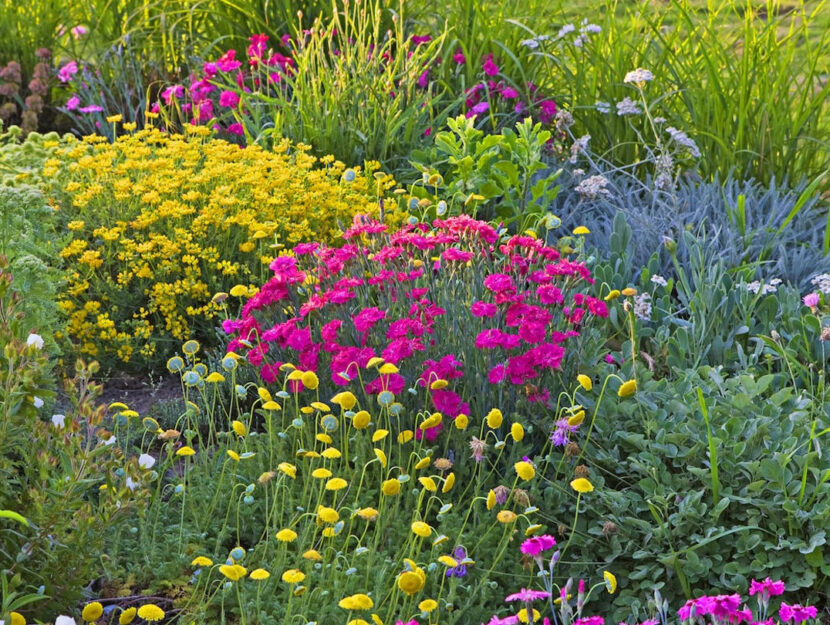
column 109, row 441
column 764, row 289
column 37, row 401
column 822, row 283
column 529, row 43
column 663, row 182
column 602, row 107
column 65, row 620
column 627, row 106
column 36, row 340
column 593, row 187
column 658, row 279
column 682, row 139
column 580, row 41
column 59, row 421
column 564, row 120
column 638, row 76
column 642, row 306
column 591, row 28
column 578, row 172
column 579, row 146
column 130, row 483
column 659, row 120
column 146, row 461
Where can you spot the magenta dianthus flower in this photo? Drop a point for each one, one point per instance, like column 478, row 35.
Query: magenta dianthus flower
column 796, row 613
column 527, row 595
column 767, row 588
column 537, row 544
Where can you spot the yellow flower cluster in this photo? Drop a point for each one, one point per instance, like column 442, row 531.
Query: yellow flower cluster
column 160, row 224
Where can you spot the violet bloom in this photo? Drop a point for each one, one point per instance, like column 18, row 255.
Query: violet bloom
column 460, row 554
column 490, row 67
column 559, row 437
column 796, row 613
column 811, row 300
column 73, row 102
column 481, row 107
column 66, row 72
column 590, row 620
column 767, row 588
column 526, row 595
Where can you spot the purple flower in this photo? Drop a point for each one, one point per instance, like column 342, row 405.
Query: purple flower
column 479, row 108
column 490, row 67
column 509, row 93
column 590, row 620
column 228, row 99
column 767, row 588
column 92, row 108
column 720, row 606
column 536, row 545
column 66, row 72
column 73, row 102
column 526, row 595
column 796, row 613
column 459, row 57
column 78, row 31
column 811, row 300
column 459, row 553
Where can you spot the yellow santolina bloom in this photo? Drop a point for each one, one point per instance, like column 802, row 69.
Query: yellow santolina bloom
column 517, row 431
column 532, row 529
column 127, row 616
column 357, row 602
column 264, row 394
column 346, row 400
column 239, row 428
column 233, row 572
column 433, row 420
column 585, row 382
column 412, row 580
column 150, row 612
column 613, row 294
column 628, row 292
column 369, row 514
column 419, row 528
column 332, row 453
column 215, row 378
column 576, row 419
column 491, row 499
column 17, row 618
column 358, row 621
column 271, row 405
column 448, row 561
column 185, row 451
column 494, row 418
column 289, row 469
column 423, row 462
column 259, row 574
column 374, row 361
column 449, row 482
column 525, row 470
column 318, row 405
column 581, row 485
column 610, row 582
column 628, row 388
column 428, row 605
column 293, row 576
column 201, row 561
column 388, row 369
column 286, row 535
column 324, row 438
column 390, row 488
column 428, row 483
column 506, row 516
column 579, row 230
column 405, row 436
column 327, row 515
column 381, row 456
column 336, row 483
column 361, row 419
column 522, row 614
column 321, row 473
column 310, row 380
column 313, row 555
column 92, row 611
column 379, row 435
column 461, row 422
column 437, row 385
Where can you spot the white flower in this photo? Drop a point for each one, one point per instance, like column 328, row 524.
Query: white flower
column 593, row 187
column 109, row 441
column 659, row 120
column 130, row 483
column 579, row 146
column 578, row 172
column 37, row 401
column 529, row 43
column 682, row 139
column 146, row 461
column 59, row 420
column 628, row 107
column 65, row 620
column 642, row 306
column 822, row 283
column 602, row 107
column 638, row 76
column 36, row 340
column 656, row 279
column 580, row 41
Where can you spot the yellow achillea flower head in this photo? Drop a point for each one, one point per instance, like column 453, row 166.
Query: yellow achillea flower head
column 359, row 601
column 310, row 380
column 390, row 488
column 525, row 470
column 346, row 400
column 259, row 574
column 412, row 580
column 437, row 385
column 428, row 483
column 491, row 499
column 379, row 435
column 388, row 369
column 336, row 483
column 327, row 515
column 293, row 576
column 405, row 436
column 612, row 295
column 576, row 419
column 423, row 462
column 381, row 456
column 627, row 389
column 419, row 528
column 368, row 514
column 201, row 561
column 629, row 291
column 127, row 616
column 581, row 230
column 313, row 555
column 16, row 618
column 428, row 605
column 506, row 516
column 361, row 420
column 494, row 418
column 289, row 469
column 523, row 617
column 185, row 451
column 286, row 535
column 321, row 473
column 517, row 431
column 233, row 572
column 92, row 611
column 150, row 612
column 585, row 382
column 581, row 485
column 264, row 394
column 461, row 422
column 239, row 428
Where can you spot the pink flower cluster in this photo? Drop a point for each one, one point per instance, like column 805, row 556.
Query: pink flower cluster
column 434, row 300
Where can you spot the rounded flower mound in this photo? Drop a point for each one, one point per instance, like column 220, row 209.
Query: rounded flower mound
column 163, row 222
column 385, row 298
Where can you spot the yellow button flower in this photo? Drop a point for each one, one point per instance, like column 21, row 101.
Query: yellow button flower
column 581, row 485
column 627, row 389
column 525, row 470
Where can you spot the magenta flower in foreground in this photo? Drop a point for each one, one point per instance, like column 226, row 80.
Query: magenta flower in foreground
column 811, row 300
column 527, row 595
column 796, row 613
column 507, row 620
column 536, row 545
column 767, row 588
column 490, row 67
column 720, row 606
column 590, row 620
